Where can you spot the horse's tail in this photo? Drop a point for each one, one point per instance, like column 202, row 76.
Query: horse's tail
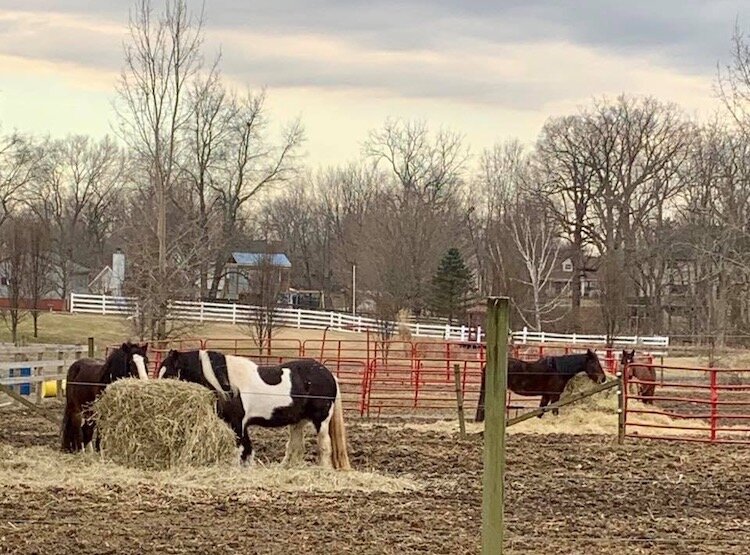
column 337, row 433
column 71, row 430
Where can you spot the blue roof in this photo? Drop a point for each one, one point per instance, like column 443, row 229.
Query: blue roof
column 254, row 258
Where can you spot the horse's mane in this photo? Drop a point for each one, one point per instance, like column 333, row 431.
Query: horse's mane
column 116, row 365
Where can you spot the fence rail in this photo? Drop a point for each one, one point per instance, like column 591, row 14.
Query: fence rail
column 25, row 370
column 233, row 313
column 689, row 404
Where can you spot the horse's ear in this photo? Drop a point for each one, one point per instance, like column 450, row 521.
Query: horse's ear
column 125, row 347
column 590, row 353
column 144, row 346
column 632, row 353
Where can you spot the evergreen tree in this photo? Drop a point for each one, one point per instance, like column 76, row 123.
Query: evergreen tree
column 452, row 286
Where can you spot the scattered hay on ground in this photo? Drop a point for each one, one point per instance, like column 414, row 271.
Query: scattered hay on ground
column 43, row 467
column 162, row 424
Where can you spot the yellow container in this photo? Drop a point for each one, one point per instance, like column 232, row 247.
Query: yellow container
column 50, row 388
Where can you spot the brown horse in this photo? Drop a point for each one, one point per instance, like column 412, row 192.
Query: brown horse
column 546, row 377
column 86, row 379
column 639, row 374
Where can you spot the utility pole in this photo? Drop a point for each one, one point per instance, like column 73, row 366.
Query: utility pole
column 354, row 289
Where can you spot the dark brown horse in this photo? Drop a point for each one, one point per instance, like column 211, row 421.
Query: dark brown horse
column 546, row 377
column 639, row 374
column 86, row 379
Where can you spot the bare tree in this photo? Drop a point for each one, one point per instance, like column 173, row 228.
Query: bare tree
column 39, row 267
column 416, row 214
column 733, row 82
column 253, row 164
column 566, row 181
column 162, row 57
column 76, row 181
column 18, row 163
column 14, row 269
column 265, row 282
column 536, row 238
column 490, row 205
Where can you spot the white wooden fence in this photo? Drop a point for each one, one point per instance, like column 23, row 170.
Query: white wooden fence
column 316, row 319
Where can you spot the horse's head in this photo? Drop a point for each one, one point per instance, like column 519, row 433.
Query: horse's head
column 626, row 358
column 593, row 368
column 170, row 366
column 128, row 360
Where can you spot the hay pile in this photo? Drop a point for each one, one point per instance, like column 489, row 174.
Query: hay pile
column 604, row 401
column 45, row 468
column 162, row 424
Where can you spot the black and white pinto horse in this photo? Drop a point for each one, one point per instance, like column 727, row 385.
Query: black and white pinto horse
column 289, row 394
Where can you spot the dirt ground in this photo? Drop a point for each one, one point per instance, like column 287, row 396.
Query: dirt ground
column 565, row 494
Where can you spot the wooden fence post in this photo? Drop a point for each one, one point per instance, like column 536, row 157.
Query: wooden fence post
column 493, row 493
column 39, row 373
column 459, row 400
column 91, row 347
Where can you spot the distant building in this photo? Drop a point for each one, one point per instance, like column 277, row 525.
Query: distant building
column 110, row 279
column 561, row 277
column 241, row 275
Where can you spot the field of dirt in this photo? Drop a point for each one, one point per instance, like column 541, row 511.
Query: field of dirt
column 565, row 494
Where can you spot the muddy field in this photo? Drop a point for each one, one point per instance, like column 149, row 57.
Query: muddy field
column 566, row 494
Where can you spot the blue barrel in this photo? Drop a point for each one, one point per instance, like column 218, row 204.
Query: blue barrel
column 25, row 387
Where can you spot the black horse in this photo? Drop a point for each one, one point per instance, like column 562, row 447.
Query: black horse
column 289, row 394
column 85, row 380
column 546, row 377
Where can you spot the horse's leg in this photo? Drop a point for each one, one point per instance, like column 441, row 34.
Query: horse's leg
column 648, row 393
column 87, row 431
column 295, row 446
column 247, row 454
column 78, row 422
column 324, row 440
column 542, row 404
column 555, row 399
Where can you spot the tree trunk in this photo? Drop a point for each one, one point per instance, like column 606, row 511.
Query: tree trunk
column 578, row 273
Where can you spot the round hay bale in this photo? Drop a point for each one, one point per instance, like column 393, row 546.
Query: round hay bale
column 161, row 424
column 605, row 401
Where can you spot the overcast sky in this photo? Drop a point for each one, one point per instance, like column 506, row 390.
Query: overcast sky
column 490, row 70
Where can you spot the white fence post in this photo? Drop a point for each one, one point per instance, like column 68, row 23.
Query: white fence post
column 525, row 334
column 72, row 301
column 299, row 318
column 234, row 313
column 104, row 304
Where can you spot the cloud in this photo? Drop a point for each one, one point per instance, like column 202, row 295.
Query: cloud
column 495, row 65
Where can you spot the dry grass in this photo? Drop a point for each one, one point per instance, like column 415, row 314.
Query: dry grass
column 42, row 467
column 66, row 328
column 161, row 424
column 596, row 414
